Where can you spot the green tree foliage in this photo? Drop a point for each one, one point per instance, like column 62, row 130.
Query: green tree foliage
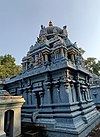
column 93, row 65
column 8, row 68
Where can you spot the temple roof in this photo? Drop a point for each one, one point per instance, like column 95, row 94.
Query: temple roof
column 52, row 30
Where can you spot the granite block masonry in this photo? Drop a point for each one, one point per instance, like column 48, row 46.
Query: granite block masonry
column 95, row 91
column 55, row 85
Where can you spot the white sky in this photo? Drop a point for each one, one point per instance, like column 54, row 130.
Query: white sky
column 20, row 22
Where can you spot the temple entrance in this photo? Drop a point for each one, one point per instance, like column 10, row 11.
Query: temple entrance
column 8, row 123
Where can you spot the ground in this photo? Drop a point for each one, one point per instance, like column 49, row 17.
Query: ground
column 95, row 132
column 26, row 131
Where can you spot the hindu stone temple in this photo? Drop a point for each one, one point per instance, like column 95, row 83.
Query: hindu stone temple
column 55, row 85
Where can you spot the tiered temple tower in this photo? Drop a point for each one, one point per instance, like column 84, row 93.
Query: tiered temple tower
column 55, row 85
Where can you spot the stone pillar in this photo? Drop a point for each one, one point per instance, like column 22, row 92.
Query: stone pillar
column 58, row 93
column 65, row 53
column 49, row 93
column 79, row 92
column 62, row 52
column 41, row 97
column 2, row 133
column 34, row 99
column 17, row 122
column 42, row 58
column 54, row 54
column 72, row 58
column 83, row 95
column 68, row 91
column 88, row 94
column 29, row 96
column 36, row 59
column 73, row 93
column 46, row 57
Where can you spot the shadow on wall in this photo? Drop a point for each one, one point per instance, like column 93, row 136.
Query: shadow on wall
column 30, row 130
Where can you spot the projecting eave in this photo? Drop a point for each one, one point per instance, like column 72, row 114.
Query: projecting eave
column 84, row 70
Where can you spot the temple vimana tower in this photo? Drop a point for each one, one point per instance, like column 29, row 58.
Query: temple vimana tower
column 55, row 85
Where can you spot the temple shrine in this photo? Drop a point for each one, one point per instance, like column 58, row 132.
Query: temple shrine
column 56, row 86
column 10, row 114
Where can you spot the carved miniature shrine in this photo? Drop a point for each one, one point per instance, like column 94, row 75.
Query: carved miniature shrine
column 10, row 114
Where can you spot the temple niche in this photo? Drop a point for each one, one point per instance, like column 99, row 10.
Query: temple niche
column 55, row 85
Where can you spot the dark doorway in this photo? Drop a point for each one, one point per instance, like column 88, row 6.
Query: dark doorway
column 38, row 100
column 8, row 123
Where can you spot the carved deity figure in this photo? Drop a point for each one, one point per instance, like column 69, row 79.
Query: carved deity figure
column 43, row 30
column 65, row 31
column 54, row 30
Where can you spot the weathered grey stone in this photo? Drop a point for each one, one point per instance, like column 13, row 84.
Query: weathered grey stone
column 55, row 85
column 95, row 91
